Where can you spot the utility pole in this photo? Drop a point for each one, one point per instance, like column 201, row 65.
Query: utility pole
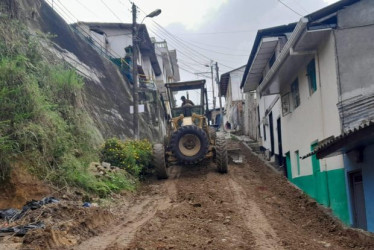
column 219, row 96
column 135, row 73
column 214, row 97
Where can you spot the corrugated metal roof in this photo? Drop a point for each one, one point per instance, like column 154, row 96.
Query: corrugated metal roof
column 350, row 137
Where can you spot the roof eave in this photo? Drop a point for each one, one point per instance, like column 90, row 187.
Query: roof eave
column 299, row 29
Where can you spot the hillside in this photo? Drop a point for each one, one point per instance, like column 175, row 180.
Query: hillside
column 59, row 101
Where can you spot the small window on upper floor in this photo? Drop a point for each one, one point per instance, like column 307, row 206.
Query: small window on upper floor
column 295, row 93
column 312, row 78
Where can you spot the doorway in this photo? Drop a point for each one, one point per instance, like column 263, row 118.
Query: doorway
column 280, row 149
column 358, row 200
column 271, row 132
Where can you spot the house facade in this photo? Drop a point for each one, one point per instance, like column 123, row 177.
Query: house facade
column 324, row 80
column 267, row 112
column 354, row 60
column 168, row 62
column 115, row 41
column 251, row 118
column 234, row 98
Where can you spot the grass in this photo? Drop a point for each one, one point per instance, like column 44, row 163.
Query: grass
column 42, row 118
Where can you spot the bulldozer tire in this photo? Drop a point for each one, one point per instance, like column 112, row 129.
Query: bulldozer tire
column 159, row 161
column 189, row 144
column 212, row 133
column 221, row 153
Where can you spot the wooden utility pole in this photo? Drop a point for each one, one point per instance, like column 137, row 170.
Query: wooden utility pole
column 214, row 96
column 219, row 96
column 135, row 73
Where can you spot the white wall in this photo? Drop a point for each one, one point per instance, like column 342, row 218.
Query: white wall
column 317, row 116
column 118, row 40
column 264, row 104
column 147, row 67
column 235, row 80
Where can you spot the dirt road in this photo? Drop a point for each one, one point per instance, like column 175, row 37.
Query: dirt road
column 252, row 207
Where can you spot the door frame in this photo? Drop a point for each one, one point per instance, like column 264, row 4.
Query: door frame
column 352, row 198
column 280, row 148
column 271, row 127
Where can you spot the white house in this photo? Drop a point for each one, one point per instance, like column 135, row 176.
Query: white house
column 234, row 97
column 267, row 47
column 114, row 40
column 323, row 75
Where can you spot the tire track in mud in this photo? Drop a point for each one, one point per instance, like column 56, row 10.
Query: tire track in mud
column 137, row 215
column 204, row 216
column 264, row 235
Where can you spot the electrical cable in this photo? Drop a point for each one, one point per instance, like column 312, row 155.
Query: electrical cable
column 111, row 10
column 186, row 46
column 110, row 52
column 181, row 47
column 84, row 6
column 214, row 45
column 189, row 56
column 288, row 7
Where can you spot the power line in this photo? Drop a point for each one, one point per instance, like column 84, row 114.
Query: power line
column 85, row 7
column 186, row 46
column 214, row 45
column 189, row 56
column 111, row 10
column 288, row 7
column 301, row 7
column 217, row 33
column 63, row 9
column 217, row 52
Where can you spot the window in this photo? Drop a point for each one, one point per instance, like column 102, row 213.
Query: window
column 286, row 104
column 295, row 93
column 311, row 74
column 297, row 161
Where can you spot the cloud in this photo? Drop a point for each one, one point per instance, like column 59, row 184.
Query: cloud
column 228, row 30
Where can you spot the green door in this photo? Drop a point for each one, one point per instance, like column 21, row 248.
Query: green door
column 320, row 180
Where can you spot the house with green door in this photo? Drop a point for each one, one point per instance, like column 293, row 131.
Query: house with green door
column 306, row 75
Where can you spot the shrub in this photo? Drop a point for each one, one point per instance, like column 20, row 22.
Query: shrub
column 132, row 155
column 43, row 121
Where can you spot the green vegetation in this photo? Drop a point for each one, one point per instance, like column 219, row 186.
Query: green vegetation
column 133, row 156
column 43, row 121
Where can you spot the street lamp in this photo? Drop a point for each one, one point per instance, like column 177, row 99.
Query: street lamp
column 135, row 65
column 154, row 13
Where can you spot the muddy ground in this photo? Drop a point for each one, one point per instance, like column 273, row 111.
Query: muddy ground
column 252, row 207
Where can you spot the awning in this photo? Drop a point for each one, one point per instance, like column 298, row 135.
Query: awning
column 356, row 138
column 300, row 48
column 264, row 53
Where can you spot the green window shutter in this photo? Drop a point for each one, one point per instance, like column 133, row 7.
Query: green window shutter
column 312, row 77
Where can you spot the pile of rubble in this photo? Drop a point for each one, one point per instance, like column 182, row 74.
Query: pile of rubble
column 103, row 169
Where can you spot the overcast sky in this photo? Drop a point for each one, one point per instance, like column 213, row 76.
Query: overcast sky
column 200, row 30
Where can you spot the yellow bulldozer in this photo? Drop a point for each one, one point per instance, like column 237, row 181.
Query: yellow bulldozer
column 189, row 139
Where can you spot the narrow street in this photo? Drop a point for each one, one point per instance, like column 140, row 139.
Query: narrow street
column 252, row 207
